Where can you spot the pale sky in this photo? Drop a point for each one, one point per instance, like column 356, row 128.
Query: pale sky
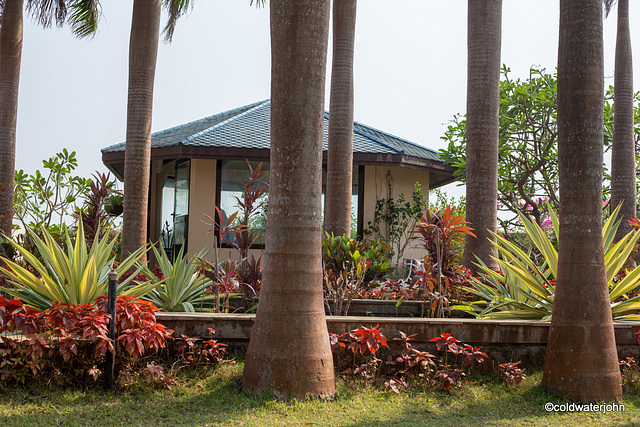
column 409, row 71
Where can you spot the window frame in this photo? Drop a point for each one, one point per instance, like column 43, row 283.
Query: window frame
column 359, row 213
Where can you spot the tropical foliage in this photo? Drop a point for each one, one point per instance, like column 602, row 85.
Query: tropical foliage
column 354, row 355
column 182, row 287
column 48, row 197
column 94, row 215
column 344, row 271
column 441, row 234
column 241, row 233
column 528, row 167
column 521, row 289
column 76, row 276
column 394, row 220
column 67, row 343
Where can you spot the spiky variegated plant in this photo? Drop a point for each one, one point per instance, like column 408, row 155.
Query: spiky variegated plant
column 523, row 290
column 182, row 289
column 75, row 276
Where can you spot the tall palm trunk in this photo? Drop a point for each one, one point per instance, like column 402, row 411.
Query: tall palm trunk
column 337, row 211
column 581, row 358
column 483, row 103
column 623, row 155
column 10, row 59
column 143, row 53
column 289, row 351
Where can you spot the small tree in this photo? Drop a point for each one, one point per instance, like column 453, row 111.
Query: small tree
column 442, row 236
column 528, row 165
column 46, row 199
column 394, row 220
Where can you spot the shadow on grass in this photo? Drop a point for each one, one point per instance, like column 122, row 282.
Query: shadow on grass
column 214, row 400
column 490, row 403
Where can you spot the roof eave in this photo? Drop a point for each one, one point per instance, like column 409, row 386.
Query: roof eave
column 227, row 153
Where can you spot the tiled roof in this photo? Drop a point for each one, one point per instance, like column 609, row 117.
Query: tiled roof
column 249, row 127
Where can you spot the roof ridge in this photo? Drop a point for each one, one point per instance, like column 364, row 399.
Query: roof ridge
column 204, row 119
column 252, row 107
column 406, row 141
column 246, row 108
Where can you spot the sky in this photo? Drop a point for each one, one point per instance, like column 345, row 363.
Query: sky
column 410, row 70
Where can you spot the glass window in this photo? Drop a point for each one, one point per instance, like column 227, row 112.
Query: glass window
column 174, row 213
column 181, row 205
column 168, row 201
column 233, row 178
column 235, row 173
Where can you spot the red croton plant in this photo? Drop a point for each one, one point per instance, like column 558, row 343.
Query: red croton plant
column 398, row 369
column 69, row 341
column 66, row 344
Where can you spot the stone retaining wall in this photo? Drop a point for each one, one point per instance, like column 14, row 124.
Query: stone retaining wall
column 503, row 340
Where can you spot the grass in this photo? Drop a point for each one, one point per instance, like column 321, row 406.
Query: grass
column 212, row 399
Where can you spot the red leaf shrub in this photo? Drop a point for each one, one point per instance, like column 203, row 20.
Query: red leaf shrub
column 67, row 342
column 446, row 340
column 367, row 339
column 198, row 352
column 510, row 373
column 398, row 370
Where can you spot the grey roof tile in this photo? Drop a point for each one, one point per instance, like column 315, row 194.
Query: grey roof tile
column 249, row 127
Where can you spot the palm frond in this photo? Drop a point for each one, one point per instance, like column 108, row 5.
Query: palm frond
column 608, row 4
column 84, row 17
column 175, row 10
column 45, row 12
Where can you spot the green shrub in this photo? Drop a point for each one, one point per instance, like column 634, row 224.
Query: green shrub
column 344, row 271
column 77, row 276
column 520, row 289
column 182, row 287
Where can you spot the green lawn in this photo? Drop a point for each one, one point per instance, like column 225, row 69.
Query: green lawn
column 213, row 400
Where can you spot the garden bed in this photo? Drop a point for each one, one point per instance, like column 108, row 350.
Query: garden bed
column 370, row 307
column 503, row 340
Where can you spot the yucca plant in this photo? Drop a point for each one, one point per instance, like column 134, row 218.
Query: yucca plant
column 523, row 290
column 182, row 288
column 75, row 276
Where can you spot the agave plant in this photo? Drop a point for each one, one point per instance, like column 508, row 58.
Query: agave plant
column 182, row 288
column 523, row 290
column 75, row 276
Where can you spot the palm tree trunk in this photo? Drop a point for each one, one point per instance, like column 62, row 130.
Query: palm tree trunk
column 581, row 359
column 143, row 53
column 10, row 59
column 337, row 211
column 623, row 155
column 289, row 351
column 483, row 103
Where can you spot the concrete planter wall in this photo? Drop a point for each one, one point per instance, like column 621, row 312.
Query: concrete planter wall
column 384, row 308
column 503, row 340
column 368, row 307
